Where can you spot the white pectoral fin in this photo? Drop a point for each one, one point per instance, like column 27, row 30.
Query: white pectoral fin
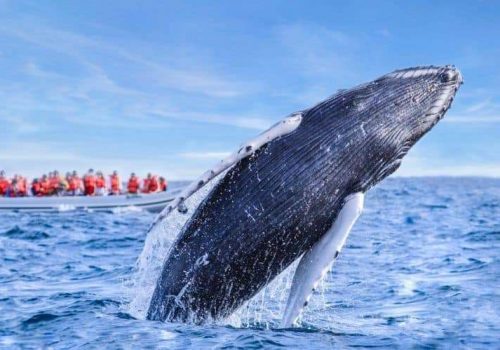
column 316, row 262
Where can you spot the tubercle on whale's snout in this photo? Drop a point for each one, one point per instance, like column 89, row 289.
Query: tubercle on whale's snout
column 448, row 73
column 451, row 79
column 446, row 81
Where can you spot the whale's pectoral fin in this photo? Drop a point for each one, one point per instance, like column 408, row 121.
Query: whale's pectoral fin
column 316, row 262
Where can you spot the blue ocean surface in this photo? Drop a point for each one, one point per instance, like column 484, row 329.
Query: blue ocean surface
column 421, row 269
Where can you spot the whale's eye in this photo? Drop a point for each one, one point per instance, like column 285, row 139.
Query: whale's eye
column 446, row 77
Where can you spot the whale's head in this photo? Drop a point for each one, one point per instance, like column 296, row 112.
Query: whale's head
column 417, row 98
column 386, row 117
column 407, row 104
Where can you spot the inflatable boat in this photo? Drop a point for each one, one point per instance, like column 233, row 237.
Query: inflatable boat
column 153, row 202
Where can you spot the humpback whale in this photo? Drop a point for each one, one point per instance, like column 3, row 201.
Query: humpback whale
column 294, row 192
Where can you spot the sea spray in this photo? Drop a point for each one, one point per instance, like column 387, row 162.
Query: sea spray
column 264, row 310
column 149, row 265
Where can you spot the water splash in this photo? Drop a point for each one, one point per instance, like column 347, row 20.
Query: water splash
column 160, row 238
column 264, row 310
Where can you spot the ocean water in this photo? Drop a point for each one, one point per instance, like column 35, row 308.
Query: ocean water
column 421, row 269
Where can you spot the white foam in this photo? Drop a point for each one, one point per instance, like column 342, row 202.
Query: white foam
column 267, row 307
column 129, row 209
column 65, row 207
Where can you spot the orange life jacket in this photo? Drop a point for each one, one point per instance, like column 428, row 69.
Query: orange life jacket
column 45, row 187
column 73, row 183
column 115, row 183
column 54, row 183
column 133, row 185
column 78, row 182
column 25, row 184
column 21, row 187
column 100, row 182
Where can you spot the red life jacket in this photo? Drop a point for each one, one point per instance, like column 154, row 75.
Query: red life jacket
column 4, row 185
column 153, row 184
column 73, row 183
column 163, row 186
column 36, row 189
column 89, row 183
column 145, row 186
column 133, row 185
column 12, row 190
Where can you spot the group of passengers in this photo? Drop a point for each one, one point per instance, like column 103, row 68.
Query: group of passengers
column 91, row 184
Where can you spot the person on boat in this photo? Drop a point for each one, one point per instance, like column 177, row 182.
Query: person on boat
column 74, row 184
column 12, row 189
column 48, row 189
column 17, row 187
column 153, row 184
column 79, row 183
column 54, row 183
column 89, row 183
column 4, row 184
column 45, row 185
column 71, row 185
column 150, row 184
column 163, row 185
column 145, row 184
column 133, row 184
column 115, row 184
column 100, row 184
column 36, row 188
column 22, row 186
column 62, row 186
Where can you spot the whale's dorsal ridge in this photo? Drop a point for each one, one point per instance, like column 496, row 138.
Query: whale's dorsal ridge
column 281, row 128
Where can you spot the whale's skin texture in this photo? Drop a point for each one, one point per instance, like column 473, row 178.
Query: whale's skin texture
column 273, row 206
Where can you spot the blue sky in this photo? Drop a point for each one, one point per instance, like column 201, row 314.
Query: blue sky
column 174, row 86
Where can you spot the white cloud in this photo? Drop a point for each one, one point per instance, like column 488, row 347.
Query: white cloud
column 204, row 155
column 33, row 159
column 420, row 162
column 482, row 170
column 479, row 106
column 483, row 111
column 175, row 72
column 96, row 96
column 316, row 50
column 248, row 122
column 37, row 152
column 20, row 124
column 472, row 119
